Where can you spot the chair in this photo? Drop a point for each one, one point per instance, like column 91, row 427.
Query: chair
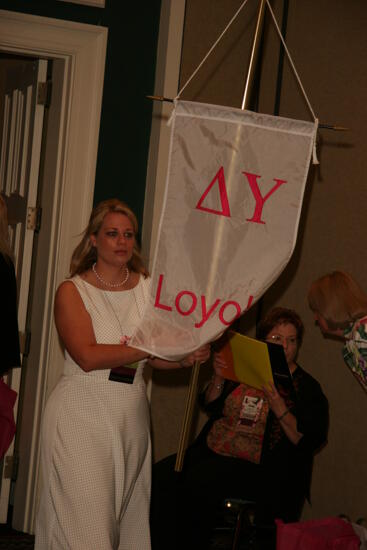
column 243, row 510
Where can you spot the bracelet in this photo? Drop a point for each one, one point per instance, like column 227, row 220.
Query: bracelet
column 217, row 386
column 283, row 415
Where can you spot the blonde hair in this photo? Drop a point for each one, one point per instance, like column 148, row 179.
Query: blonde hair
column 338, row 298
column 5, row 249
column 85, row 253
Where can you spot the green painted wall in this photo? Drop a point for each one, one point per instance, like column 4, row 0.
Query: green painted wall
column 129, row 77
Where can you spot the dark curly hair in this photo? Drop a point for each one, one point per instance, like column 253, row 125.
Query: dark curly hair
column 280, row 316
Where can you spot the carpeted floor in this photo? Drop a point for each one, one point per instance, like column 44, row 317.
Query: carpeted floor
column 15, row 540
column 10, row 539
column 222, row 540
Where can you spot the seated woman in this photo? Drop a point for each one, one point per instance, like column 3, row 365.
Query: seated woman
column 184, row 505
column 340, row 308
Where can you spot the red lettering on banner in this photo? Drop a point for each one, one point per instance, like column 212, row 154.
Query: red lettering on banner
column 260, row 200
column 158, row 296
column 221, row 311
column 193, row 305
column 205, row 314
column 237, row 306
column 222, row 192
column 249, row 302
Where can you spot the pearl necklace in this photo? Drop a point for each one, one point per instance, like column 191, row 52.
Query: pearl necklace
column 112, row 285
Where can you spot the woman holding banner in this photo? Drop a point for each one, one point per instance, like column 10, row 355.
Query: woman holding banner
column 96, row 453
column 340, row 308
column 256, row 445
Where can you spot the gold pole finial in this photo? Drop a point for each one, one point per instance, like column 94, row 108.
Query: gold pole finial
column 254, row 56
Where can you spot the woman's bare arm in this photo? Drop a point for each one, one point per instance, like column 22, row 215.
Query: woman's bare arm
column 75, row 329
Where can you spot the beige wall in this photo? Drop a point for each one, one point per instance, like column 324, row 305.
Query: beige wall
column 328, row 41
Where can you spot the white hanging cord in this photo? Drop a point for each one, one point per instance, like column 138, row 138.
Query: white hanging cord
column 316, row 120
column 211, row 49
column 315, row 161
column 282, row 40
column 290, row 61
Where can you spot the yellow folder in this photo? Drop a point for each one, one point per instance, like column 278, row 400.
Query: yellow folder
column 247, row 359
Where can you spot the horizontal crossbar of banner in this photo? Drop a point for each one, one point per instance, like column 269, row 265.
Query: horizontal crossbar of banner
column 321, row 125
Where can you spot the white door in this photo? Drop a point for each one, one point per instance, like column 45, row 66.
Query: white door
column 21, row 137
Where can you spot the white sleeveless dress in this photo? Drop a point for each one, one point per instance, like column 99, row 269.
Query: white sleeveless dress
column 96, row 450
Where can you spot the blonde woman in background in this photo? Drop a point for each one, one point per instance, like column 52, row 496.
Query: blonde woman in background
column 340, row 309
column 96, row 451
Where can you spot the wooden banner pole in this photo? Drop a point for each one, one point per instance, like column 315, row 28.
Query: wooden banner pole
column 187, row 420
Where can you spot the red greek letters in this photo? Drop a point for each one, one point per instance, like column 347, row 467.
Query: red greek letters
column 252, row 180
column 222, row 193
column 260, row 200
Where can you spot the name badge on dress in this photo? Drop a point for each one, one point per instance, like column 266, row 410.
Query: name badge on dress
column 250, row 410
column 122, row 374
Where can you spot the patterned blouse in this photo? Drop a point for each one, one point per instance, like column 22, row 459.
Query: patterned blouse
column 355, row 350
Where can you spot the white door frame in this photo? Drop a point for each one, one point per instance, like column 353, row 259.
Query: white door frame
column 167, row 77
column 79, row 50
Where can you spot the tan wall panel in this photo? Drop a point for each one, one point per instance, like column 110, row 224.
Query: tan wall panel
column 326, row 39
column 221, row 80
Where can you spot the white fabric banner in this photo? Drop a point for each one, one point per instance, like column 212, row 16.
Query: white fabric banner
column 229, row 224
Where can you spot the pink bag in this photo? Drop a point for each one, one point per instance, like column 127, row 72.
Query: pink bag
column 317, row 534
column 7, row 424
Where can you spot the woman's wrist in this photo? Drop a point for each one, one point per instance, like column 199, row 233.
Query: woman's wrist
column 216, row 382
column 283, row 414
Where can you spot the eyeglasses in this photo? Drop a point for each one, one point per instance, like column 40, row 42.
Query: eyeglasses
column 278, row 339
